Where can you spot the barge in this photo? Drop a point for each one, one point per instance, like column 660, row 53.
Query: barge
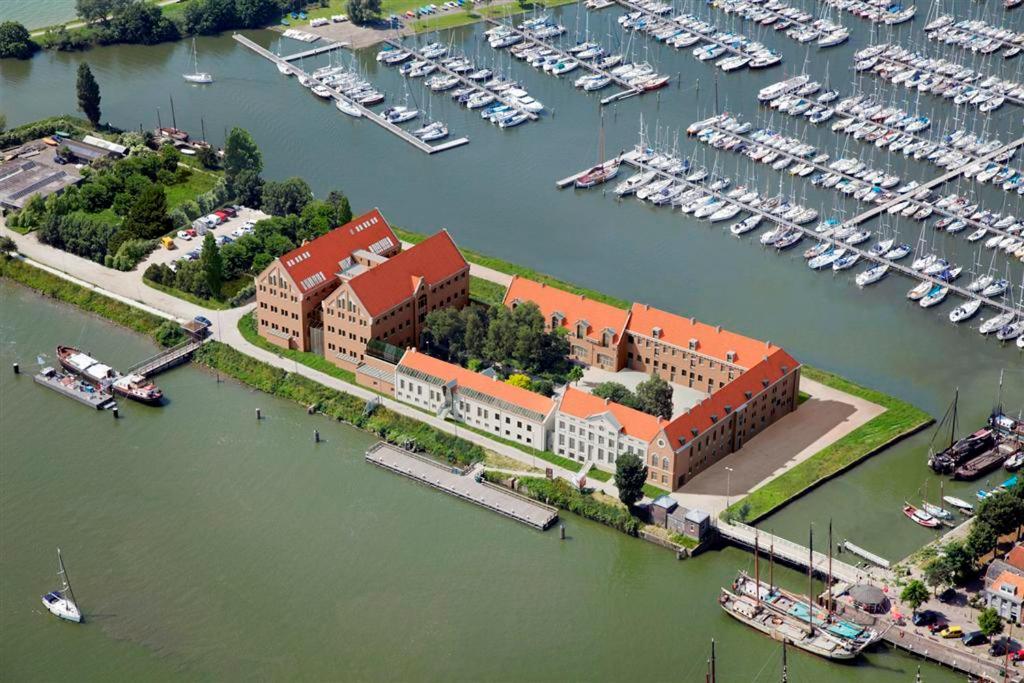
column 73, row 387
column 105, row 378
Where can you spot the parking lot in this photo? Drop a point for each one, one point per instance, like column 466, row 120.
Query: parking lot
column 230, row 230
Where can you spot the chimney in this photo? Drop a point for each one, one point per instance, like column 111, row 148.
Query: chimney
column 728, row 408
column 785, row 369
column 768, row 344
column 718, row 328
column 607, row 401
column 693, row 321
column 765, row 382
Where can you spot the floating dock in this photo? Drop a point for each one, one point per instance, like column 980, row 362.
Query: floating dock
column 465, row 81
column 100, row 400
column 461, row 485
column 869, row 556
column 315, row 51
column 627, row 89
column 368, row 114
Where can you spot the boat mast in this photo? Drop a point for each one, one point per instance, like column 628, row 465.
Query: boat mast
column 712, row 660
column 828, row 586
column 757, row 571
column 65, row 583
column 771, row 565
column 952, row 431
column 785, row 666
column 810, row 581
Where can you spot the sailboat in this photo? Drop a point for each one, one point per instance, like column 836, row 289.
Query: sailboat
column 61, row 603
column 197, row 76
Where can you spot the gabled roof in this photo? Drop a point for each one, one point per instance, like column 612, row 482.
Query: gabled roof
column 629, row 421
column 770, row 369
column 316, row 262
column 1011, row 579
column 711, row 340
column 573, row 308
column 1015, row 558
column 463, row 378
column 431, row 261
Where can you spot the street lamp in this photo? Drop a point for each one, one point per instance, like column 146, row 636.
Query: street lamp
column 728, row 478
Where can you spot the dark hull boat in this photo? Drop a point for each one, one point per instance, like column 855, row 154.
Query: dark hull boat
column 134, row 387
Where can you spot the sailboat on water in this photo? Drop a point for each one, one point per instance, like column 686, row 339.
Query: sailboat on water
column 604, row 171
column 61, row 603
column 197, row 76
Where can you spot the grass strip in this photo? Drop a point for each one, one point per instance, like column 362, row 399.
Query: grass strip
column 247, row 326
column 86, row 299
column 186, row 296
column 485, row 291
column 899, row 420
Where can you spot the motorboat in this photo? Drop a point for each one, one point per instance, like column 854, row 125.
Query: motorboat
column 959, row 504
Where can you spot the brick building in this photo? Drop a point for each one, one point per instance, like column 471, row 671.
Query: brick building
column 386, row 303
column 592, row 429
column 290, row 290
column 595, row 329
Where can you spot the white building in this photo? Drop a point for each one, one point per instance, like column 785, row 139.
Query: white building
column 487, row 403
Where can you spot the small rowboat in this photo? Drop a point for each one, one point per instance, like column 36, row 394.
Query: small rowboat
column 920, row 516
column 959, row 504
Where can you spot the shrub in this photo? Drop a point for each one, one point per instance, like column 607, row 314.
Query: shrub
column 169, row 334
column 563, row 495
column 131, row 251
column 243, row 295
column 178, row 218
column 191, row 209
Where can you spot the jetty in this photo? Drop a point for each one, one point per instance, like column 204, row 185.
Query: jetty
column 866, row 554
column 507, row 101
column 627, row 89
column 167, row 359
column 460, row 484
column 368, row 114
column 632, row 158
column 315, row 51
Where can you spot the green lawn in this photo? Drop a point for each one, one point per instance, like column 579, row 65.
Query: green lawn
column 247, row 326
column 899, row 420
column 598, row 475
column 652, row 491
column 186, row 296
column 485, row 291
column 196, row 184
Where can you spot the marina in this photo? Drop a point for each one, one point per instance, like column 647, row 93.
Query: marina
column 289, row 68
column 789, row 20
column 462, row 485
column 975, row 35
column 313, row 52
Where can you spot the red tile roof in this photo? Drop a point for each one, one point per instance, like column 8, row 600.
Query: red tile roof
column 711, row 341
column 1012, row 579
column 573, row 307
column 1015, row 558
column 634, row 423
column 316, row 262
column 772, row 368
column 442, row 370
column 385, row 286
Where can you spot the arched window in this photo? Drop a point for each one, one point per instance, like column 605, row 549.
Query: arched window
column 664, row 463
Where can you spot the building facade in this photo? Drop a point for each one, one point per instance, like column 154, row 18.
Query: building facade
column 289, row 291
column 487, row 403
column 386, row 304
column 1006, row 594
column 594, row 329
column 592, row 429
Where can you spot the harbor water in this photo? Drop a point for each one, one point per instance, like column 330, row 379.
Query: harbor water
column 222, row 547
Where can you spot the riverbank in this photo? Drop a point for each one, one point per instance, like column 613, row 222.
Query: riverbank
column 899, row 421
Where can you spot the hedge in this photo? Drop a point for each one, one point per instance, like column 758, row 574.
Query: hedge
column 562, row 494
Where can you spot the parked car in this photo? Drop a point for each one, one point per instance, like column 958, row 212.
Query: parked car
column 975, row 638
column 191, row 232
column 193, row 255
column 1017, row 656
column 951, row 632
column 938, row 626
column 203, row 320
column 237, row 232
column 230, row 211
column 183, row 234
column 1001, row 646
column 924, row 617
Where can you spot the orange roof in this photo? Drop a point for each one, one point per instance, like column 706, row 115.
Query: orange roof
column 394, row 281
column 733, row 395
column 572, row 307
column 634, row 423
column 1012, row 579
column 447, row 372
column 1015, row 558
column 316, row 262
column 711, row 341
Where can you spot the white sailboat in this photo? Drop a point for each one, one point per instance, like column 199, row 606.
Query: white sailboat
column 61, row 603
column 197, row 76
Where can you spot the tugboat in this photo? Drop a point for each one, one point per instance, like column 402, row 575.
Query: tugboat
column 134, row 387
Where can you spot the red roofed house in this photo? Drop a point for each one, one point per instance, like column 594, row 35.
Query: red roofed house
column 595, row 329
column 389, row 302
column 594, row 429
column 1006, row 595
column 484, row 402
column 289, row 291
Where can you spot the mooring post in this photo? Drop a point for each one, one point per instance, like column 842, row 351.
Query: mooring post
column 561, row 532
column 116, row 414
column 259, row 416
column 316, row 436
column 17, row 370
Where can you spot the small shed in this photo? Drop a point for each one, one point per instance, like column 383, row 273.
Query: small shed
column 696, row 524
column 869, row 598
column 661, row 508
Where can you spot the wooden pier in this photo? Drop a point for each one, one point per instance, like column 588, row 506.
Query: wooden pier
column 821, row 168
column 166, row 360
column 508, row 102
column 368, row 114
column 630, row 158
column 315, row 51
column 462, row 485
column 627, row 89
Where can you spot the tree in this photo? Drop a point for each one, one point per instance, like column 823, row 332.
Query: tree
column 241, row 154
column 938, row 574
column 575, row 374
column 477, row 322
column 544, row 387
column 148, row 217
column 1003, row 513
column 914, row 594
column 445, row 331
column 213, row 267
column 981, row 540
column 364, row 11
column 7, row 245
column 958, row 561
column 92, row 11
column 990, row 622
column 138, row 22
column 88, row 94
column 256, row 13
column 519, row 380
column 3, row 122
column 285, row 197
column 616, row 393
column 169, row 334
column 654, row 396
column 630, row 476
column 15, row 41
column 248, row 188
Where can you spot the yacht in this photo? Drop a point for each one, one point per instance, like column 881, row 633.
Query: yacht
column 61, row 603
column 197, row 76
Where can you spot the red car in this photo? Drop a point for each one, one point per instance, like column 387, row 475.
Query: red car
column 1017, row 656
column 937, row 626
column 192, row 232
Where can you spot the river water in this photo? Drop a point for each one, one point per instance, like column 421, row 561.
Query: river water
column 37, row 13
column 522, row 614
